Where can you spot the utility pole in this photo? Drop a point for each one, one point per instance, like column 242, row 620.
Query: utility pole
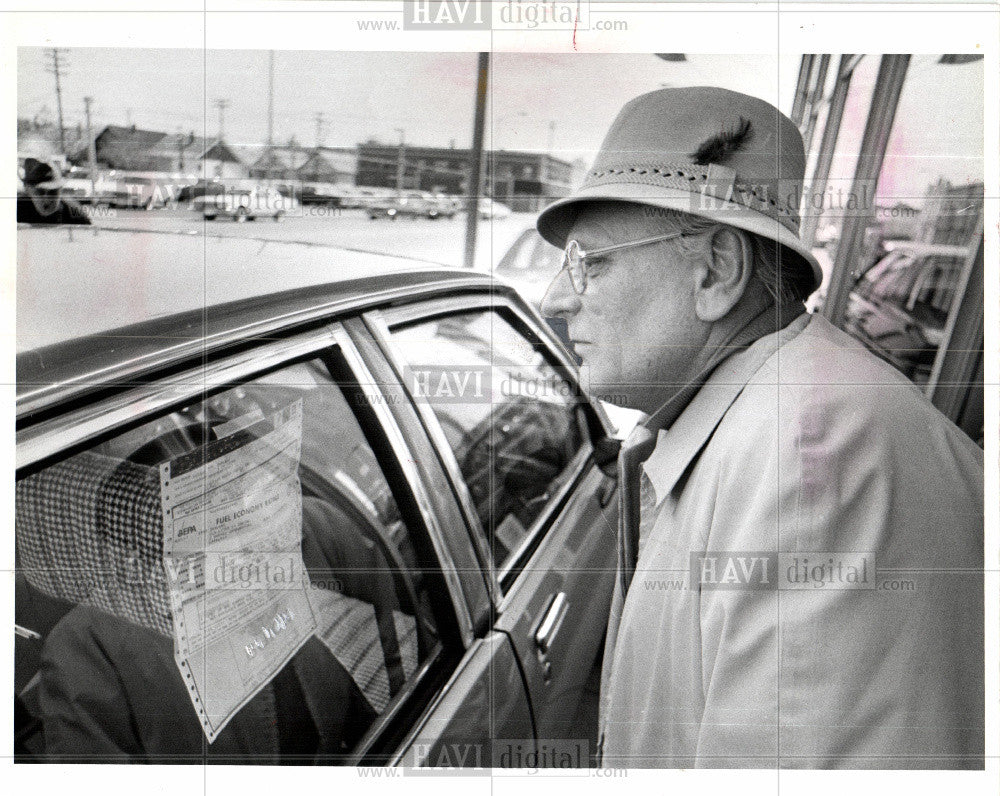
column 319, row 129
column 91, row 150
column 401, row 159
column 476, row 159
column 183, row 142
column 270, row 101
column 56, row 67
column 222, row 104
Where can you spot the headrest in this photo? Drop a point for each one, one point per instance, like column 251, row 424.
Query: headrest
column 90, row 530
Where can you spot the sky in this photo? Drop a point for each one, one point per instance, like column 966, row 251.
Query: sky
column 561, row 103
column 429, row 95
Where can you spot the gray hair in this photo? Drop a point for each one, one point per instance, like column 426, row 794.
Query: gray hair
column 783, row 273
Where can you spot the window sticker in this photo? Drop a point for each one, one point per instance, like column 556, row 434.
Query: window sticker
column 232, row 528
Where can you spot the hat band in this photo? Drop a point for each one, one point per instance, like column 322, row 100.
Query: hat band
column 716, row 187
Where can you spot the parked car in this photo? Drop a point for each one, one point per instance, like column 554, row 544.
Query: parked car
column 412, row 203
column 246, row 203
column 320, row 193
column 324, row 507
column 491, row 209
column 142, row 191
column 529, row 265
column 899, row 306
column 78, row 185
column 212, row 187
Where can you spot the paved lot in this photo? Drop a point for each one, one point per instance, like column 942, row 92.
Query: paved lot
column 438, row 241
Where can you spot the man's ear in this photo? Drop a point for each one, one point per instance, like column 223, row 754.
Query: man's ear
column 724, row 274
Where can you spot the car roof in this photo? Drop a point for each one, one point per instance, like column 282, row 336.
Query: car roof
column 92, row 302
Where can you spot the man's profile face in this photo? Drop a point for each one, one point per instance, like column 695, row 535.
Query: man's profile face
column 635, row 326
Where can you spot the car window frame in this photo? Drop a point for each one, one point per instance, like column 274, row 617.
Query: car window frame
column 381, row 323
column 64, row 434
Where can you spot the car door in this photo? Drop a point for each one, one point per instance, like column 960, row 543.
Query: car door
column 483, row 697
column 517, row 438
column 337, row 621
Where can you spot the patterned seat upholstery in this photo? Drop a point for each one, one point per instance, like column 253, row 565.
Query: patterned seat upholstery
column 90, row 531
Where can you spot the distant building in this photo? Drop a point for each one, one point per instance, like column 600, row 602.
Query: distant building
column 128, row 149
column 134, row 149
column 219, row 160
column 332, row 165
column 524, row 180
column 180, row 152
column 336, row 165
column 438, row 169
column 952, row 214
column 527, row 181
column 579, row 173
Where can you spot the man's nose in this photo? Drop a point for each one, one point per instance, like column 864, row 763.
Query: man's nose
column 560, row 300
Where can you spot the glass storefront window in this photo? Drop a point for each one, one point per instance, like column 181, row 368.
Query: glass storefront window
column 845, row 154
column 922, row 223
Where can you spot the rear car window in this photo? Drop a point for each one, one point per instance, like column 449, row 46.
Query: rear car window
column 232, row 580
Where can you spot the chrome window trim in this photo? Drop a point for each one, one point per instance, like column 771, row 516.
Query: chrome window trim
column 356, row 755
column 380, row 324
column 395, row 316
column 48, row 438
column 379, row 329
column 553, row 507
column 405, row 460
column 490, row 639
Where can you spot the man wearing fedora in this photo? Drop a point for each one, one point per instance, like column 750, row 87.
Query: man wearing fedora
column 800, row 574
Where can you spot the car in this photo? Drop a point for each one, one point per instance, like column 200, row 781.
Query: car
column 321, row 194
column 245, row 203
column 493, row 210
column 421, row 204
column 899, row 307
column 78, row 185
column 144, row 191
column 529, row 265
column 203, row 187
column 279, row 502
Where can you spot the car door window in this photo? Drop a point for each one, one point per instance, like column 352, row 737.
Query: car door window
column 514, row 424
column 237, row 582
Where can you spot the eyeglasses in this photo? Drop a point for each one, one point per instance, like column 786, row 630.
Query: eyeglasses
column 575, row 258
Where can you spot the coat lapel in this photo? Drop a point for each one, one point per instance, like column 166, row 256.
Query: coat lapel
column 676, row 449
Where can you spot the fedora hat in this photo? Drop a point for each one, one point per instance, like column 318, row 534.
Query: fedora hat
column 706, row 151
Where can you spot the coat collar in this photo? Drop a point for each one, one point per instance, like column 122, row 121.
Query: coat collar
column 676, row 448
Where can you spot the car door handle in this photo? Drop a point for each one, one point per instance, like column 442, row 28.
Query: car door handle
column 552, row 620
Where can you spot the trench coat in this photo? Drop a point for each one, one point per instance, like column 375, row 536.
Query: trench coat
column 803, row 447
